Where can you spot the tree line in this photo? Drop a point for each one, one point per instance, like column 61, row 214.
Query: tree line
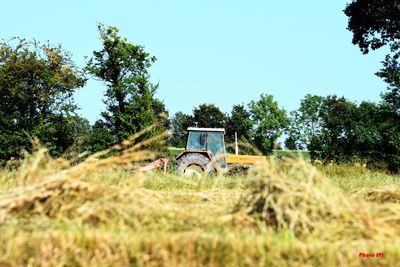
column 38, row 80
column 258, row 124
column 37, row 83
column 331, row 128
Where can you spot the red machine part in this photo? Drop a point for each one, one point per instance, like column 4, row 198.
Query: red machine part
column 161, row 163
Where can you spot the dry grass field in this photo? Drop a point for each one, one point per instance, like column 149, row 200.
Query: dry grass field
column 100, row 213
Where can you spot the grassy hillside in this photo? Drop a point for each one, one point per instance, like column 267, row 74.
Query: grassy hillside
column 99, row 214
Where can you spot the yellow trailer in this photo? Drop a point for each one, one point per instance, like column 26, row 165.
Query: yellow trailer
column 244, row 159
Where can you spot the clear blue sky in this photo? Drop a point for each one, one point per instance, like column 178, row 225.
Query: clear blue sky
column 222, row 52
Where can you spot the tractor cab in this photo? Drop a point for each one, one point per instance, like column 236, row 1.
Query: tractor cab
column 211, row 140
column 204, row 152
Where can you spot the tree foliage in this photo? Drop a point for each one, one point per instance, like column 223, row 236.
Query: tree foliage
column 337, row 135
column 37, row 82
column 391, row 75
column 100, row 137
column 305, row 125
column 179, row 124
column 130, row 96
column 376, row 24
column 209, row 116
column 366, row 125
column 239, row 122
column 77, row 131
column 269, row 122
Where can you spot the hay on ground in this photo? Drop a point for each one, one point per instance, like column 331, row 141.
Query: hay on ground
column 383, row 194
column 298, row 198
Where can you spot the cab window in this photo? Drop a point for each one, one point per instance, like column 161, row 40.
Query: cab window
column 215, row 143
column 196, row 141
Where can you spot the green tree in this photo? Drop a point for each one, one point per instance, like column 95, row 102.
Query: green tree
column 291, row 143
column 368, row 135
column 130, row 96
column 391, row 75
column 389, row 120
column 270, row 122
column 337, row 138
column 305, row 126
column 37, row 82
column 179, row 124
column 375, row 24
column 209, row 116
column 76, row 130
column 240, row 122
column 389, row 128
column 294, row 132
column 100, row 137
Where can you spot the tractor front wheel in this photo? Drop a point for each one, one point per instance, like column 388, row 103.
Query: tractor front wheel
column 194, row 164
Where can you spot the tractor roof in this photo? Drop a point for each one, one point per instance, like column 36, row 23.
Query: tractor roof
column 195, row 129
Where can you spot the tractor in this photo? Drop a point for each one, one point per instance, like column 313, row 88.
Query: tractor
column 205, row 154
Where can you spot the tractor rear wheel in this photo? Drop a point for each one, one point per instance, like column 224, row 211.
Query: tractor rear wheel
column 194, row 164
